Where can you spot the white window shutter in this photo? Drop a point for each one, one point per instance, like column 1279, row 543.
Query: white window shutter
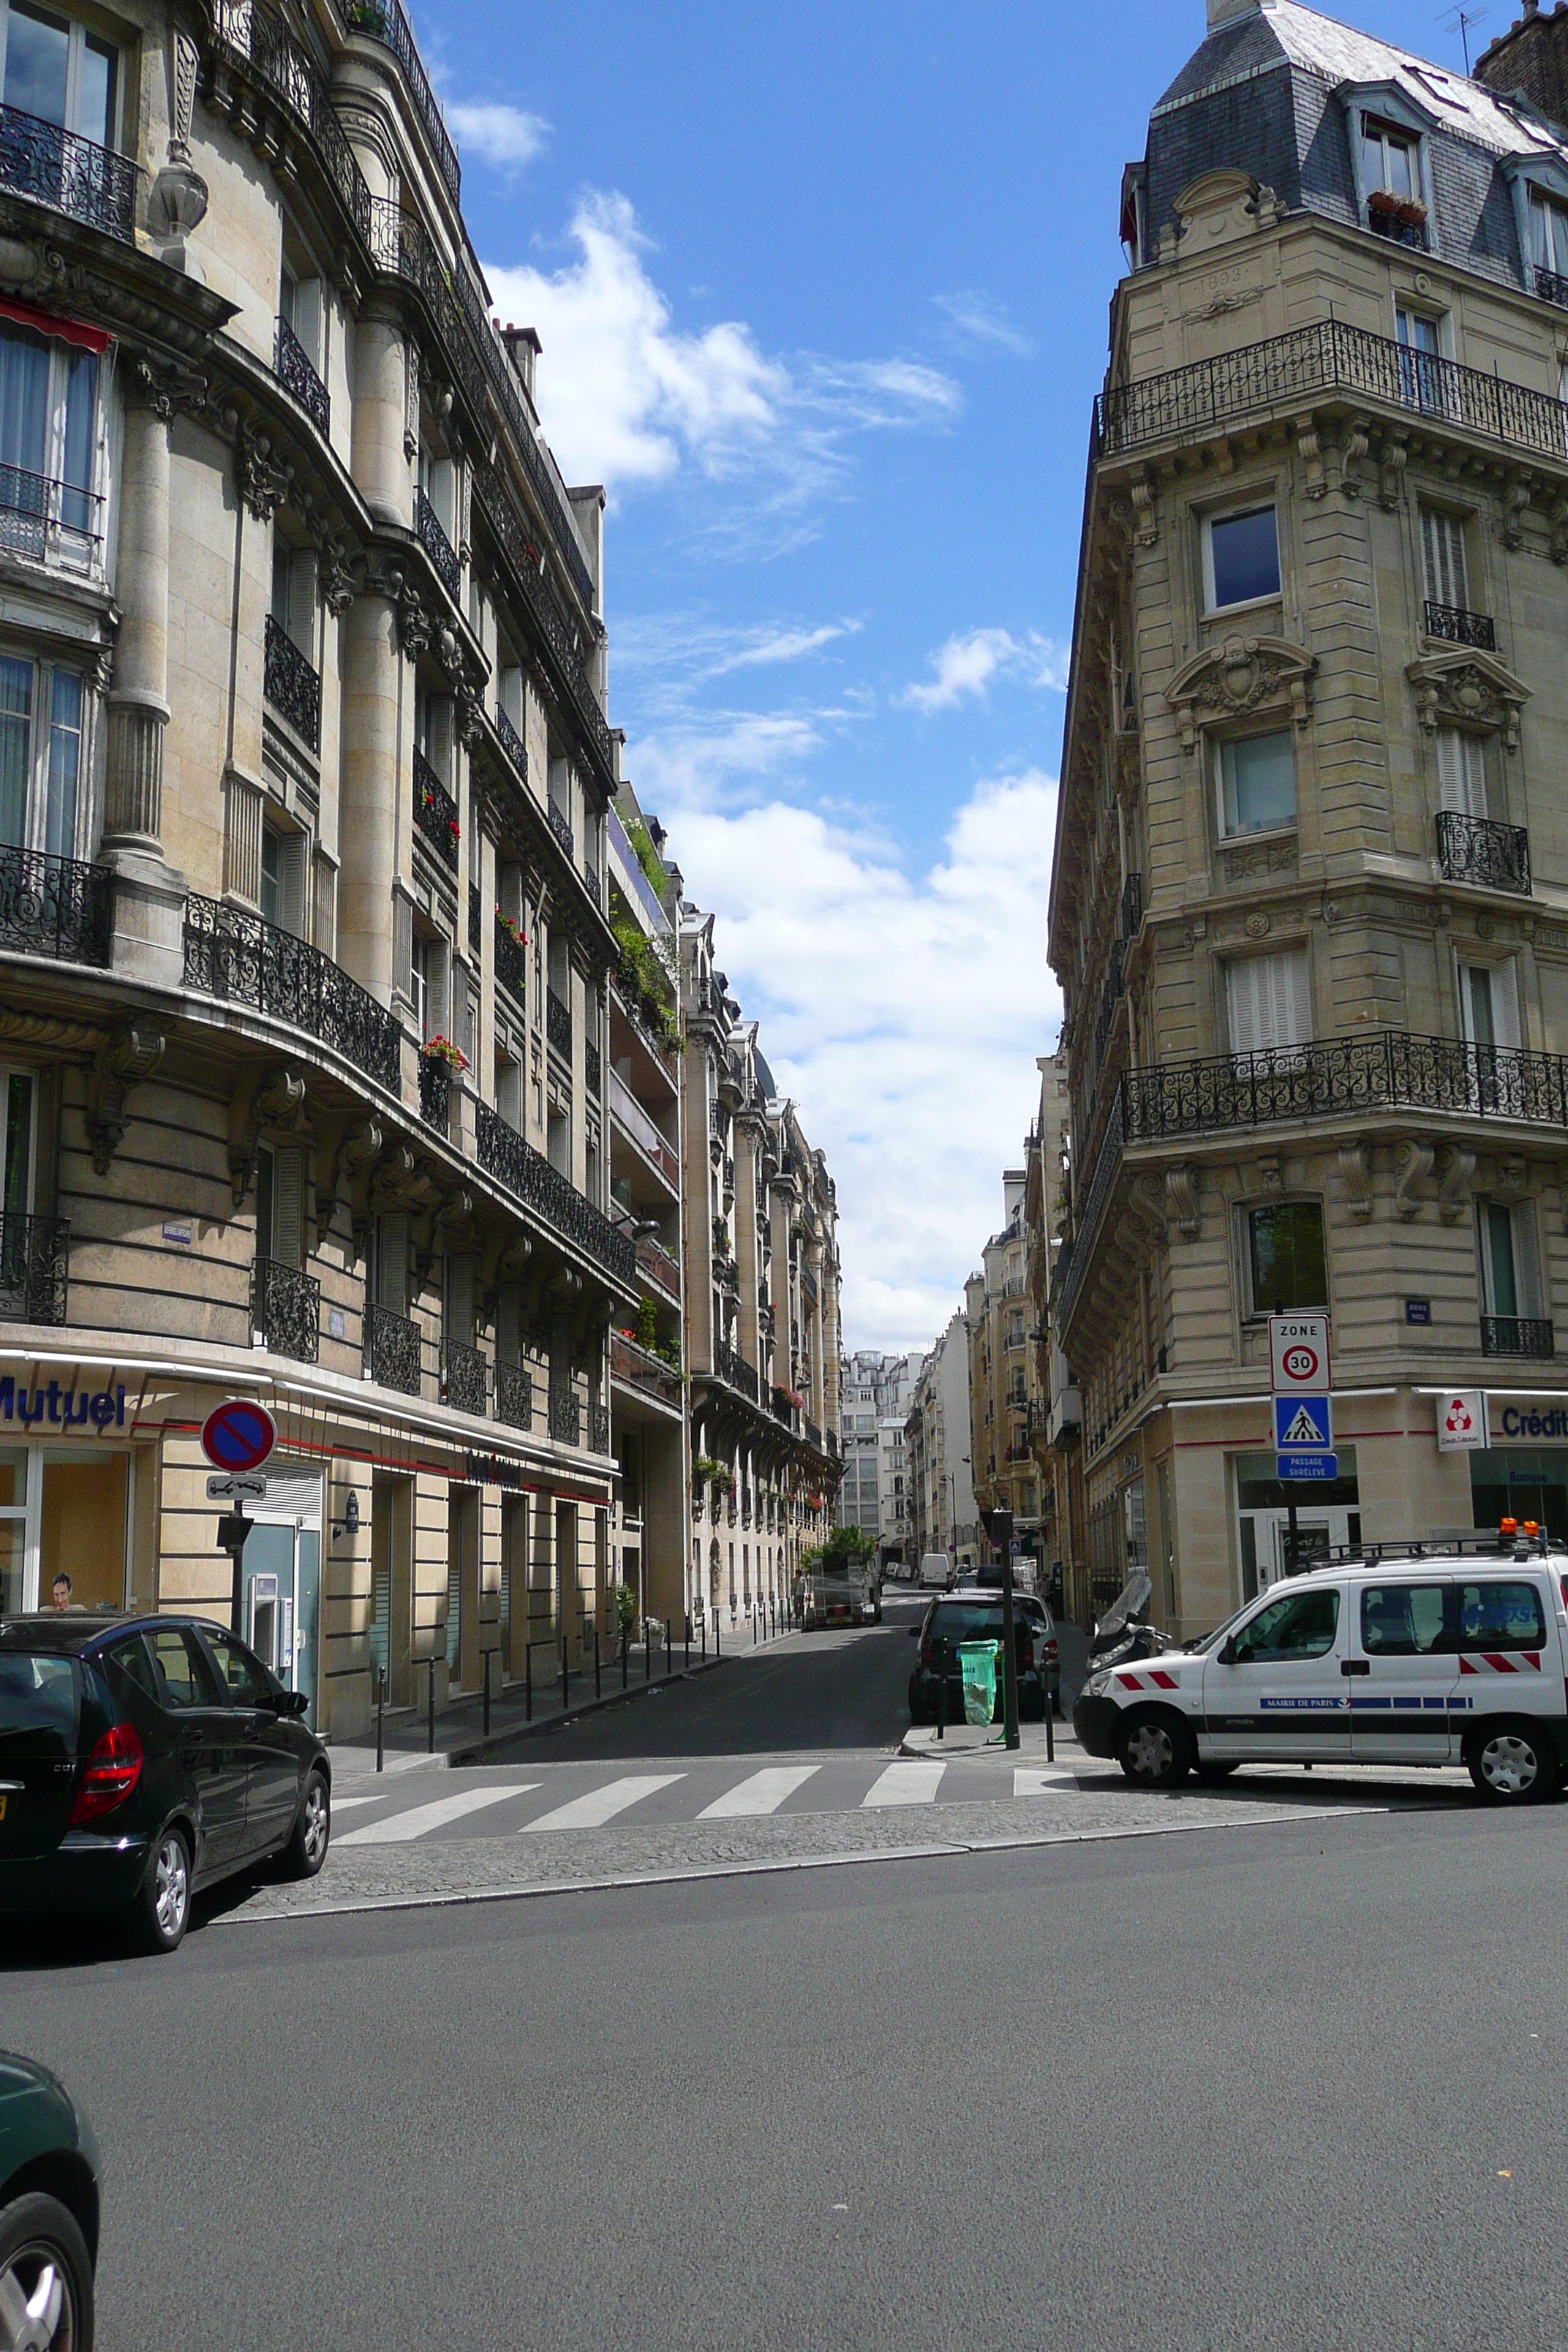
column 1270, row 1002
column 293, row 865
column 288, row 1207
column 1241, row 987
column 392, row 1273
column 438, row 1016
column 1526, row 1260
column 1461, row 772
column 1442, row 538
column 1505, row 1004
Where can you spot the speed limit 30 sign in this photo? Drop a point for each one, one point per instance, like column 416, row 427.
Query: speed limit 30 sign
column 1298, row 1354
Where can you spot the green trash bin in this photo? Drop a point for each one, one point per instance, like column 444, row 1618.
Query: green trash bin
column 977, row 1667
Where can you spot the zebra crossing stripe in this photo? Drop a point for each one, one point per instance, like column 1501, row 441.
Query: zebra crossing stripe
column 400, row 1828
column 905, row 1784
column 761, row 1792
column 602, row 1805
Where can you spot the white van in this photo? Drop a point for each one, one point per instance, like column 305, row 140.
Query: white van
column 1398, row 1654
column 936, row 1569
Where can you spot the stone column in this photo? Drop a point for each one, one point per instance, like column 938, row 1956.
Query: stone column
column 149, row 893
column 378, row 459
column 368, row 804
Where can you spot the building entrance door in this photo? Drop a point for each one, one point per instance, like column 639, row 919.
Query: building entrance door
column 282, row 1584
column 1326, row 1517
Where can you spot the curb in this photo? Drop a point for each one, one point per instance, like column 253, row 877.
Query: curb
column 483, row 1751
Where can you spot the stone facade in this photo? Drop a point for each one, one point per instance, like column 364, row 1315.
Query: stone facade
column 939, row 1476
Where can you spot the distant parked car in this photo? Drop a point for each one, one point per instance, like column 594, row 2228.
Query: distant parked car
column 142, row 1759
column 48, row 2212
column 936, row 1569
column 973, row 1615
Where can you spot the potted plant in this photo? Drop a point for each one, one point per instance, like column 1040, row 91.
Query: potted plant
column 442, row 1049
column 507, row 924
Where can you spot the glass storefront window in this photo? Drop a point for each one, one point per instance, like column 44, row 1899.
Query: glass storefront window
column 82, row 1529
column 1521, row 1482
column 12, row 1531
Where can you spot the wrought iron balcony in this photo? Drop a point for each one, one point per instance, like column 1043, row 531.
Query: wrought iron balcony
column 593, row 1067
column 35, row 1269
column 1397, row 231
column 1516, row 1334
column 291, row 686
column 1320, row 361
column 296, row 372
column 52, row 166
column 465, row 1378
column 599, row 1429
column 476, row 918
column 813, row 1434
column 435, row 1092
column 432, row 537
column 435, row 811
column 393, row 1350
column 562, row 829
column 1131, row 906
column 557, row 1022
column 513, row 744
column 1339, row 1077
column 530, row 1178
column 511, row 962
column 285, row 1310
column 655, row 1261
column 565, row 1416
column 735, row 1372
column 592, row 883
column 240, row 958
column 514, row 1395
column 56, row 907
column 46, row 520
column 1473, row 849
column 1551, row 286
column 383, row 20
column 1458, row 628
column 639, row 1368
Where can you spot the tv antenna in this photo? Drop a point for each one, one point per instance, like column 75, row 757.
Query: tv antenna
column 1460, row 20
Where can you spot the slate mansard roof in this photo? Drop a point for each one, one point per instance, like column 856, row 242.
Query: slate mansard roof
column 1265, row 94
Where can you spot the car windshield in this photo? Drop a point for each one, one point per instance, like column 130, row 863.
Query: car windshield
column 37, row 1693
column 971, row 1621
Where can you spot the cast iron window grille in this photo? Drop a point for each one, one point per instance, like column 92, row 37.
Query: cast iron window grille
column 813, row 1435
column 1131, row 906
column 1516, row 1334
column 511, row 743
column 46, row 520
column 1461, row 629
column 291, row 686
column 1551, row 287
column 514, row 1395
column 56, row 907
column 599, row 1429
column 566, row 1417
column 561, row 830
column 435, row 1092
column 557, row 1022
column 285, row 1309
column 511, row 962
column 1474, row 849
column 1397, row 231
column 475, row 918
column 52, row 165
column 465, row 1378
column 243, row 960
column 592, row 1068
column 433, row 539
column 35, row 1269
column 383, row 20
column 435, row 811
column 394, row 1350
column 513, row 1162
column 735, row 1372
column 296, row 372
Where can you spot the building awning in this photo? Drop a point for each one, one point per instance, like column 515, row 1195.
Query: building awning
column 46, row 322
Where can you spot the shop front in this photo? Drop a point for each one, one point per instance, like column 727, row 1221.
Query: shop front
column 1522, row 1472
column 66, row 1489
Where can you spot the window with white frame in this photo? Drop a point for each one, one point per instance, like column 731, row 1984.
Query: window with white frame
column 43, row 769
column 1547, row 234
column 50, row 460
column 1257, row 783
column 1241, row 558
column 1391, row 159
column 58, row 71
column 1489, row 1004
column 1443, row 559
column 1510, row 1261
column 1269, row 999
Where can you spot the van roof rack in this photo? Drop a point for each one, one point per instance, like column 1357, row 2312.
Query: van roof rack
column 1513, row 1540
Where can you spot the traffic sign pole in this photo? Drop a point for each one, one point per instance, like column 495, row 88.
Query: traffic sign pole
column 1298, row 1365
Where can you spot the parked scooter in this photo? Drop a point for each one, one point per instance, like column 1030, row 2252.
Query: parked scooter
column 1124, row 1632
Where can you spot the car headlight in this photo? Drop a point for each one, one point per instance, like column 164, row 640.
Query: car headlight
column 1096, row 1686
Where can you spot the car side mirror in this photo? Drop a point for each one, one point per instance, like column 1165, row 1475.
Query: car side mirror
column 1227, row 1651
column 291, row 1702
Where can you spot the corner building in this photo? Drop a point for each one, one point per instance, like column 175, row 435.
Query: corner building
column 304, row 956
column 1311, row 901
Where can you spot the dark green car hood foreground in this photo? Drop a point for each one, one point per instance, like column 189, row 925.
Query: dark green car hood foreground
column 42, row 2127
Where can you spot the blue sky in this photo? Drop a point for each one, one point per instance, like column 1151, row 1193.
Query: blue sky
column 823, row 292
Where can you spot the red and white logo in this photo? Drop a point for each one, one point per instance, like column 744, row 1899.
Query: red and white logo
column 1458, row 1419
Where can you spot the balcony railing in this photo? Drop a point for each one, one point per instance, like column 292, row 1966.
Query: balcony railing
column 1458, row 628
column 511, row 742
column 530, row 1178
column 735, row 1372
column 1516, row 1334
column 641, row 1369
column 435, row 1092
column 240, row 958
column 1397, row 231
column 511, row 962
column 56, row 907
column 285, row 1310
column 1311, row 362
column 394, row 1351
column 1131, row 906
column 592, row 1068
column 1551, row 286
column 557, row 1022
column 35, row 1269
column 598, row 1429
column 1389, row 1070
column 296, row 372
column 431, row 534
column 1473, row 849
column 565, row 1416
column 291, row 686
column 636, row 1123
column 46, row 520
column 465, row 1378
column 655, row 1261
column 813, row 1434
column 383, row 20
column 514, row 1395
column 90, row 184
column 562, row 829
column 435, row 811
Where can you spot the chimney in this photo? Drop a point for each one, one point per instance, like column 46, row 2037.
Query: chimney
column 1222, row 11
column 1531, row 59
column 524, row 347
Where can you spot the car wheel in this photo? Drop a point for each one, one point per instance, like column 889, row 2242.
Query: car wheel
column 307, row 1848
column 1512, row 1765
column 162, row 1910
column 46, row 2279
column 1214, row 1774
column 1156, row 1752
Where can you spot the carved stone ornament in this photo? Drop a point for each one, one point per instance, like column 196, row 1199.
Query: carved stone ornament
column 471, row 718
column 168, row 391
column 1470, row 689
column 263, row 480
column 413, row 621
column 1415, row 1159
column 1259, row 926
column 333, row 577
column 1181, row 1199
column 1455, row 1180
column 132, row 1053
column 1356, row 1177
column 278, row 1101
column 1236, row 679
column 1267, row 857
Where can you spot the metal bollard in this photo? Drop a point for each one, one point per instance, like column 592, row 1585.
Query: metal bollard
column 705, row 1632
column 625, row 1643
column 432, row 1714
column 381, row 1718
column 646, row 1653
column 669, row 1649
column 1050, row 1730
column 487, row 1694
column 940, row 1648
column 528, row 1681
column 599, row 1688
column 718, row 1646
column 563, row 1673
column 687, row 1667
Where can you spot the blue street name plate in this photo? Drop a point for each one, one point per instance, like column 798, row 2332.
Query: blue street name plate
column 1303, row 1466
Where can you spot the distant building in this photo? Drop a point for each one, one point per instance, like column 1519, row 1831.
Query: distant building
column 938, row 1483
column 1005, row 1396
column 877, row 1392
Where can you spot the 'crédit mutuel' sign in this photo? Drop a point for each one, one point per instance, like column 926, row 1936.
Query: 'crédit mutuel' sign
column 1553, row 1422
column 57, row 1408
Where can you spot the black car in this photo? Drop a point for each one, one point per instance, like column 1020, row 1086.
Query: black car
column 141, row 1758
column 49, row 2211
column 976, row 1616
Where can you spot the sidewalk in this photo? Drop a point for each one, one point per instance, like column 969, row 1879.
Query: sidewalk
column 964, row 1740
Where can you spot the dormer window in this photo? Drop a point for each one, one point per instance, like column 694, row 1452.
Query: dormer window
column 1549, row 246
column 1391, row 178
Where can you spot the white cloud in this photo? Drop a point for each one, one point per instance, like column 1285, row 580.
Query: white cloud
column 628, row 396
column 966, row 666
column 505, row 137
column 901, row 1010
column 977, row 317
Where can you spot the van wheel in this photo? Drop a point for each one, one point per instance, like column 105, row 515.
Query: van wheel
column 1157, row 1752
column 1510, row 1765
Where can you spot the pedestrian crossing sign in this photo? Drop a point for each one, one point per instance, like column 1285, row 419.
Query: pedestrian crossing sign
column 1302, row 1425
